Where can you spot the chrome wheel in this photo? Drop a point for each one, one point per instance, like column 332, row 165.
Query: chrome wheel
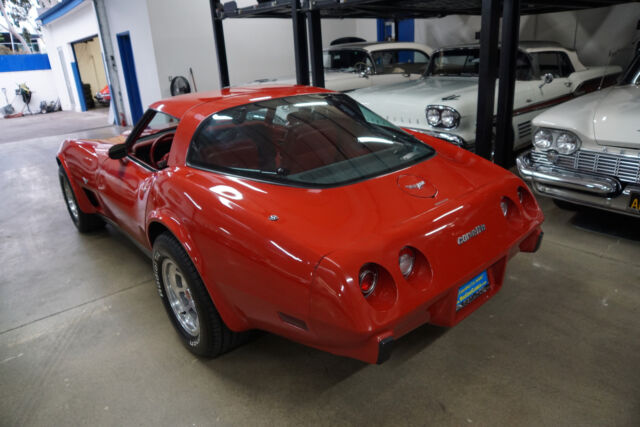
column 70, row 199
column 179, row 296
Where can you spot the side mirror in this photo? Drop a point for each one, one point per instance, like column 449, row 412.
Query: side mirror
column 546, row 79
column 366, row 72
column 118, row 151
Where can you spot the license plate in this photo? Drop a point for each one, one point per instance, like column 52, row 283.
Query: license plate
column 634, row 202
column 470, row 290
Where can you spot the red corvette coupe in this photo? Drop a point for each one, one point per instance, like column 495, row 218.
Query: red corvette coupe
column 298, row 211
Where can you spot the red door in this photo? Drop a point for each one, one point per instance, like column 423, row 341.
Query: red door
column 123, row 188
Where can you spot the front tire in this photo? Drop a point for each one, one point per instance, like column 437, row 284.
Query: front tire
column 84, row 222
column 187, row 301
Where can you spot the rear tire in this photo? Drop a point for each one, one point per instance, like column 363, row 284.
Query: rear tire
column 84, row 222
column 187, row 301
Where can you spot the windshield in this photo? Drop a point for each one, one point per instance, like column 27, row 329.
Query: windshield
column 463, row 62
column 632, row 73
column 346, row 60
column 306, row 140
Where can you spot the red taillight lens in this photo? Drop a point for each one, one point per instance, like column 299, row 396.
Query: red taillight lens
column 368, row 279
column 406, row 261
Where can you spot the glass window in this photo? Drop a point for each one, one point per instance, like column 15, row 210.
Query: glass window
column 346, row 60
column 153, row 142
column 399, row 61
column 462, row 62
column 555, row 63
column 307, row 140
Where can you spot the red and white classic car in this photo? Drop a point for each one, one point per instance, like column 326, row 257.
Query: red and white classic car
column 298, row 211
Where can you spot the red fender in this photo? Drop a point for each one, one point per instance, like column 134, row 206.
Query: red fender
column 81, row 198
column 234, row 319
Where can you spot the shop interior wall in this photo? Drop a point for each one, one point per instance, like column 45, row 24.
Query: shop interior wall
column 89, row 56
column 256, row 48
column 598, row 35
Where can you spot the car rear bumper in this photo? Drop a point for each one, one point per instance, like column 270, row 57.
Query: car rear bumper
column 375, row 345
column 597, row 191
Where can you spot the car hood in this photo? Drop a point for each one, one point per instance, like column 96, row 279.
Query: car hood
column 329, row 76
column 404, row 103
column 616, row 119
column 608, row 117
column 422, row 91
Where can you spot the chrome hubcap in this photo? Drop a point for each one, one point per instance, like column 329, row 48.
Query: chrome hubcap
column 68, row 196
column 179, row 296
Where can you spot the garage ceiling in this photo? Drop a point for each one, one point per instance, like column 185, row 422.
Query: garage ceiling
column 392, row 9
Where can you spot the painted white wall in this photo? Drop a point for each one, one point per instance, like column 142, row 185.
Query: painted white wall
column 133, row 16
column 256, row 48
column 41, row 83
column 594, row 33
column 78, row 24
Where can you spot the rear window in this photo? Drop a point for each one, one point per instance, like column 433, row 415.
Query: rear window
column 306, row 140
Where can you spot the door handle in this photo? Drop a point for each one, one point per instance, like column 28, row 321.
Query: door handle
column 567, row 84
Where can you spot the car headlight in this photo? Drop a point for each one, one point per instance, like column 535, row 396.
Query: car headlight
column 543, row 139
column 566, row 143
column 442, row 116
column 433, row 116
column 449, row 118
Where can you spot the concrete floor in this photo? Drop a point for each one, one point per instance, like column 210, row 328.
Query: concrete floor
column 60, row 122
column 84, row 338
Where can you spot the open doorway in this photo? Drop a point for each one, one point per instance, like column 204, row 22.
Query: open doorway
column 93, row 89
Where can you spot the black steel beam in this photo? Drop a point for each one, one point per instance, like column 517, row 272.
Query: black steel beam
column 507, row 78
column 490, row 24
column 218, row 36
column 300, row 44
column 315, row 48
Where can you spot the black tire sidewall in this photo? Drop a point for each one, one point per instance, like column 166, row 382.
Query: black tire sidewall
column 209, row 322
column 63, row 178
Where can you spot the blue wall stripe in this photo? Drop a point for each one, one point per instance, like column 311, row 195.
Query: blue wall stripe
column 76, row 76
column 36, row 61
column 406, row 30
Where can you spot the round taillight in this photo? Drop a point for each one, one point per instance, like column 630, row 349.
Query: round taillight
column 368, row 279
column 406, row 261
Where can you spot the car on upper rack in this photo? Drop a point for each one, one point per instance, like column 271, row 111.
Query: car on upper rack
column 587, row 151
column 350, row 66
column 298, row 211
column 443, row 102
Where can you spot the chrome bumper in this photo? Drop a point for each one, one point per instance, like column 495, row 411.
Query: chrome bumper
column 587, row 189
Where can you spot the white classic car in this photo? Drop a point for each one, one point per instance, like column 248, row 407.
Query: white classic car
column 443, row 102
column 357, row 65
column 587, row 151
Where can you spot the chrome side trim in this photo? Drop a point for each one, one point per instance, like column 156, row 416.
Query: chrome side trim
column 565, row 178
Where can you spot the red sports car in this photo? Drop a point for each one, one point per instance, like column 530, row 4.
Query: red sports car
column 298, row 211
column 104, row 96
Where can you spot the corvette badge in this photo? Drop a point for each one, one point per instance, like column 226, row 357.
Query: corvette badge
column 473, row 233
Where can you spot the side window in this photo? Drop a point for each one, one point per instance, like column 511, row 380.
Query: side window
column 153, row 144
column 241, row 140
column 554, row 63
column 524, row 70
column 400, row 61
